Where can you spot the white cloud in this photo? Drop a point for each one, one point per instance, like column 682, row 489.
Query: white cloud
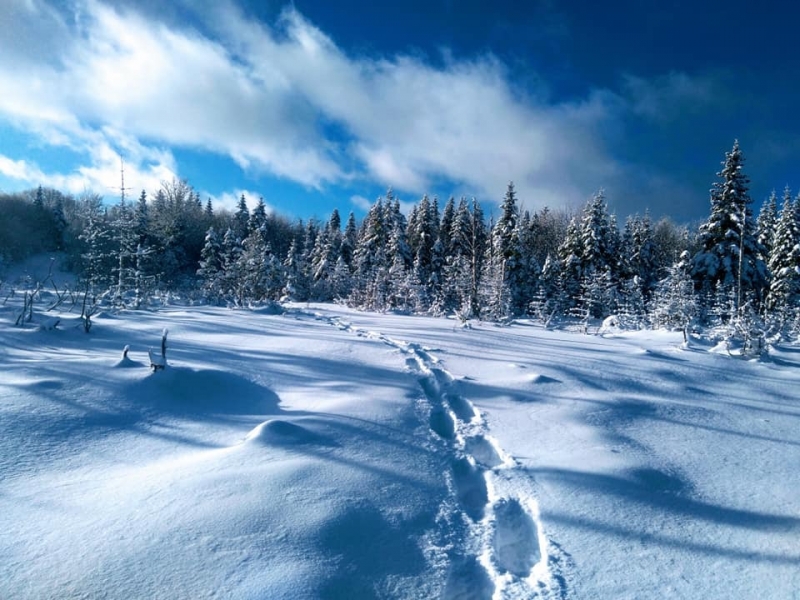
column 126, row 82
column 230, row 200
column 361, row 202
column 144, row 167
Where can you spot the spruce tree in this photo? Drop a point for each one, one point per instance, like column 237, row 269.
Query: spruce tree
column 767, row 221
column 505, row 268
column 241, row 219
column 370, row 266
column 211, row 266
column 784, row 261
column 349, row 240
column 729, row 258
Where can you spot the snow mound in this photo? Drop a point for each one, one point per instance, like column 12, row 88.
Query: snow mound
column 539, row 378
column 127, row 363
column 277, row 432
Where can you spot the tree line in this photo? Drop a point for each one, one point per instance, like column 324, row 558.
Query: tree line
column 548, row 264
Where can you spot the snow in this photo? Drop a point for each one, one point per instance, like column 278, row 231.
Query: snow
column 327, row 453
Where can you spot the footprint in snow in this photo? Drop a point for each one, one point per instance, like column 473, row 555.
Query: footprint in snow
column 483, row 451
column 516, row 538
column 441, row 423
column 471, row 489
column 462, row 408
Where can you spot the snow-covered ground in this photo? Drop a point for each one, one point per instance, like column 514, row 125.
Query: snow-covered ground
column 326, row 453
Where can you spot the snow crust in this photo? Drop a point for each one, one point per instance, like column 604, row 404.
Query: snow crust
column 325, row 453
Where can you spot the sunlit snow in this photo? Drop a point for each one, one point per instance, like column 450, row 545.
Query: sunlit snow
column 327, row 453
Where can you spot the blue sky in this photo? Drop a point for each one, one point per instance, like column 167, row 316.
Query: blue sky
column 318, row 105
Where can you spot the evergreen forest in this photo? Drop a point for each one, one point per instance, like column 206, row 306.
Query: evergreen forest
column 737, row 270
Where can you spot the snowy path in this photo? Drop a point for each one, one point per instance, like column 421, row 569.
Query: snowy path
column 496, row 545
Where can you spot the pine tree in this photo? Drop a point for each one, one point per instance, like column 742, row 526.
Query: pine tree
column 597, row 235
column 370, row 266
column 142, row 218
column 400, row 281
column 258, row 219
column 324, row 257
column 505, row 267
column 784, row 261
column 767, row 221
column 421, row 237
column 570, row 267
column 211, row 265
column 349, row 240
column 98, row 253
column 636, row 262
column 448, row 216
column 241, row 219
column 126, row 240
column 729, row 255
column 456, row 268
column 674, row 304
column 298, row 286
column 231, row 252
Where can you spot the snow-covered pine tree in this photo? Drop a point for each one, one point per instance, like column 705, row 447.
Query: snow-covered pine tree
column 478, row 239
column 730, row 256
column 251, row 285
column 231, row 274
column 598, row 238
column 456, row 268
column 370, row 266
column 548, row 300
column 123, row 227
column 767, row 221
column 98, row 252
column 297, row 286
column 674, row 304
column 784, row 262
column 423, row 231
column 241, row 219
column 446, row 226
column 325, row 257
column 211, row 266
column 323, row 262
column 258, row 218
column 400, row 290
column 530, row 269
column 505, row 267
column 494, row 292
column 142, row 217
column 349, row 241
column 636, row 263
column 570, row 267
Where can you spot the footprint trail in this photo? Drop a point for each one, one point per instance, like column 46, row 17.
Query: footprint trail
column 490, row 532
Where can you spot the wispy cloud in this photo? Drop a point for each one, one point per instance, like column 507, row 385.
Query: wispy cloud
column 667, row 97
column 360, row 202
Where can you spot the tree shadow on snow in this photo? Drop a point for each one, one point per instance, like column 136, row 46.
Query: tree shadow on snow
column 667, row 494
column 369, row 551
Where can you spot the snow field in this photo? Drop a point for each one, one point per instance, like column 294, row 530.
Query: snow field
column 325, row 453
